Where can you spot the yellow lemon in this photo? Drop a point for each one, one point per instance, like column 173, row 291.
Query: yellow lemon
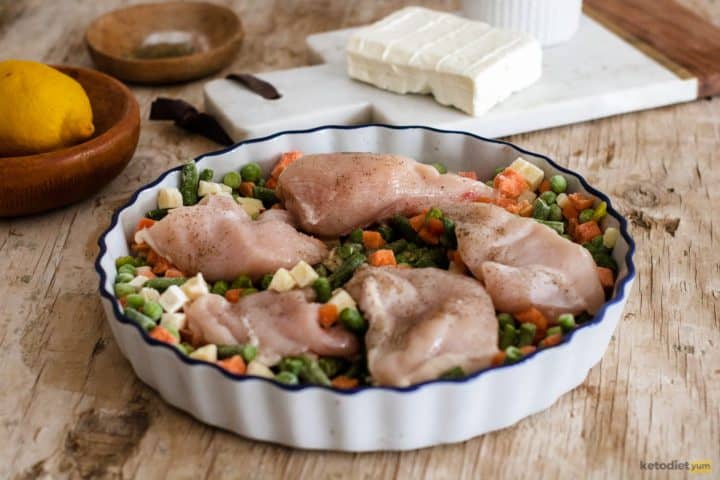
column 41, row 109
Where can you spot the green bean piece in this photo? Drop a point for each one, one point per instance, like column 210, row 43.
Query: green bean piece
column 352, row 320
column 402, row 226
column 228, row 351
column 600, row 211
column 331, row 366
column 584, row 317
column 526, row 334
column 425, row 260
column 312, row 373
column 182, row 347
column 442, row 169
column 153, row 310
column 554, row 331
column 604, row 259
column 291, row 364
column 344, row 251
column 260, row 182
column 157, row 214
column 135, row 301
column 549, row 197
column 586, row 215
column 397, row 246
column 266, row 195
column 123, row 289
column 541, row 210
column 343, row 273
column 124, row 277
column 161, row 284
column 207, row 175
column 558, row 184
column 497, row 171
column 119, row 262
column 434, row 212
column 288, row 378
column 406, row 257
column 232, row 180
column 512, row 355
column 555, row 213
column 454, row 373
column 189, row 184
column 356, row 235
column 242, row 281
column 559, row 227
column 567, row 322
column 323, row 290
column 265, row 281
column 449, row 239
column 187, row 347
column 508, row 337
column 321, row 270
column 386, row 232
column 490, row 183
column 505, row 319
column 251, row 172
column 220, row 288
column 250, row 291
column 127, row 268
column 145, row 322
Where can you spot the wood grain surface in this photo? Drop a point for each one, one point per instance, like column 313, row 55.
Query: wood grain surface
column 70, row 406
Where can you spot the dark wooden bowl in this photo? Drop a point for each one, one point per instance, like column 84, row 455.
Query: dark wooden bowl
column 36, row 183
column 114, row 38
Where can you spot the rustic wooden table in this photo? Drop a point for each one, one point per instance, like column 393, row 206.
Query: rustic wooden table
column 70, row 406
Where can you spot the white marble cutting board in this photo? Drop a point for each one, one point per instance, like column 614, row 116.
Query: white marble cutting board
column 596, row 74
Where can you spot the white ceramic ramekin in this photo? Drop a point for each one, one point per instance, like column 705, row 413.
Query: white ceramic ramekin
column 371, row 418
column 550, row 21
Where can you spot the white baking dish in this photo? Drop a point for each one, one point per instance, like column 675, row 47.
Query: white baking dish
column 370, row 418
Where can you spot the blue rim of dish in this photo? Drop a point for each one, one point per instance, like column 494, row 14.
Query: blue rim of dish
column 597, row 318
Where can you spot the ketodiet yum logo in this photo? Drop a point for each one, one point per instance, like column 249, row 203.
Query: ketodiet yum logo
column 702, row 466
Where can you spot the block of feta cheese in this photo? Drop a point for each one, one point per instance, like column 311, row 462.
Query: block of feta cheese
column 462, row 63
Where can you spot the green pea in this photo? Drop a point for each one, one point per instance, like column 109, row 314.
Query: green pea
column 242, row 281
column 554, row 331
column 526, row 334
column 386, row 232
column 287, row 378
column 433, row 213
column 498, row 171
column 352, row 320
column 541, row 210
column 440, row 167
column 454, row 373
column 512, row 354
column 508, row 336
column 251, row 172
column 265, row 281
column 232, row 180
column 123, row 289
column 220, row 287
column 124, row 277
column 207, row 175
column 127, row 268
column 505, row 319
column 600, row 211
column 119, row 262
column 153, row 310
column 135, row 301
column 586, row 215
column 249, row 352
column 356, row 235
column 549, row 197
column 323, row 290
column 555, row 213
column 558, row 184
column 567, row 322
column 291, row 364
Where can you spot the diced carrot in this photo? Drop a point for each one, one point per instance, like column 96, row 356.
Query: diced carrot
column 470, row 175
column 173, row 273
column 246, row 189
column 607, row 278
column 572, row 226
column 417, row 222
column 343, row 382
column 534, row 316
column 144, row 223
column 587, row 231
column 372, row 239
column 233, row 295
column 271, row 182
column 580, row 201
column 381, row 258
column 453, row 256
column 569, row 211
column 527, row 349
column 152, row 257
column 162, row 334
column 328, row 314
column 435, row 226
column 285, row 160
column 544, row 186
column 551, row 341
column 234, row 364
column 498, row 359
column 428, row 237
column 161, row 266
column 510, row 183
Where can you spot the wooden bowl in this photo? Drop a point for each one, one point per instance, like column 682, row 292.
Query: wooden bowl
column 36, row 183
column 215, row 33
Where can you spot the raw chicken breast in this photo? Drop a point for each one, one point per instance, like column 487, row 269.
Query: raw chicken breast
column 524, row 263
column 332, row 194
column 279, row 324
column 423, row 322
column 217, row 238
